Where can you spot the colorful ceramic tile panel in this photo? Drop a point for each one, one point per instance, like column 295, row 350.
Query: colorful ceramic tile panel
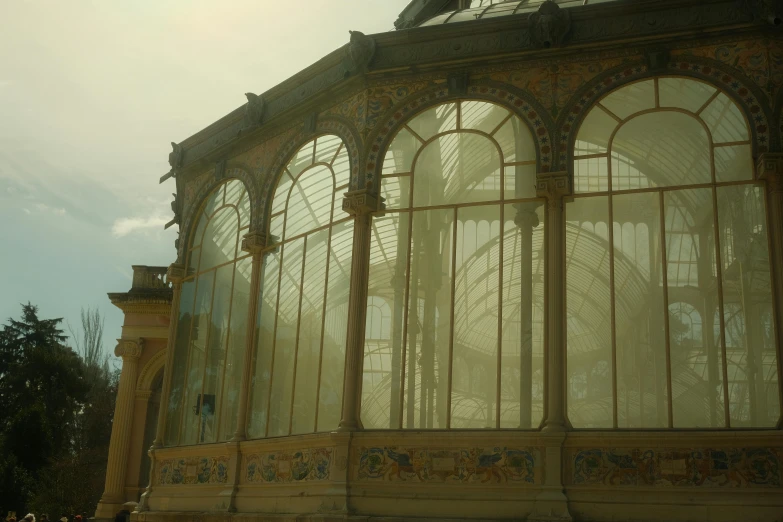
column 662, row 467
column 498, row 465
column 289, row 466
column 193, row 470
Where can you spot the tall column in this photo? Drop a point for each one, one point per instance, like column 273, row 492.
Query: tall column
column 359, row 204
column 770, row 170
column 552, row 503
column 526, row 220
column 254, row 244
column 114, row 491
column 175, row 275
column 554, row 187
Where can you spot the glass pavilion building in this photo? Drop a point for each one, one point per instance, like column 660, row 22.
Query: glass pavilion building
column 514, row 260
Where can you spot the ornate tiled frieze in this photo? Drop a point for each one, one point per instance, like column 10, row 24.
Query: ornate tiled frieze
column 676, row 467
column 286, row 466
column 193, row 470
column 498, row 465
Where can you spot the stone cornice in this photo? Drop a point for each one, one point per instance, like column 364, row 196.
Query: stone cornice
column 151, row 302
column 494, row 37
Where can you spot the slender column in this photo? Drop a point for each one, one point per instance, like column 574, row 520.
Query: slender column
column 114, row 491
column 554, row 186
column 526, row 220
column 175, row 275
column 254, row 244
column 359, row 204
column 770, row 170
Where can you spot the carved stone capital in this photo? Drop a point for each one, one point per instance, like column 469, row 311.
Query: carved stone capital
column 549, row 26
column 526, row 218
column 359, row 202
column 359, row 53
column 175, row 273
column 254, row 110
column 769, row 168
column 129, row 348
column 553, row 186
column 254, row 243
column 143, row 395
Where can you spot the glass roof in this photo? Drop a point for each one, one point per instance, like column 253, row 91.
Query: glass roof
column 480, row 9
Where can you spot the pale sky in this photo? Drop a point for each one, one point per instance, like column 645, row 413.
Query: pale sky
column 91, row 95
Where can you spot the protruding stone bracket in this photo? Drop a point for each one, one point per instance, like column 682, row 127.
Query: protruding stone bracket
column 175, row 273
column 458, row 83
column 254, row 243
column 657, row 60
column 175, row 161
column 360, row 202
column 310, row 122
column 549, row 26
column 129, row 348
column 769, row 168
column 254, row 110
column 220, row 170
column 554, row 186
column 359, row 53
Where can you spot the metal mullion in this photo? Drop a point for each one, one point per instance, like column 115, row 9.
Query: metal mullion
column 274, row 340
column 708, row 102
column 776, row 299
column 323, row 319
column 339, row 149
column 459, row 114
column 591, row 156
column 315, row 145
column 657, row 93
column 503, row 122
column 296, row 342
column 500, row 309
column 731, row 144
column 219, row 413
column 610, row 113
column 612, row 293
column 719, row 272
column 451, row 318
column 396, row 175
column 187, row 361
column 415, row 134
column 304, row 234
column 520, row 163
column 665, row 283
column 405, row 314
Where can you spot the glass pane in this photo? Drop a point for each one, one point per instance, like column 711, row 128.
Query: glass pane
column 733, row 163
column 386, row 302
column 520, row 182
column 285, row 338
column 594, row 133
column 244, row 210
column 660, row 149
column 310, row 204
column 482, row 116
column 591, row 175
column 342, row 169
column 457, row 168
column 220, row 239
column 629, row 100
column 235, row 351
column 175, row 405
column 684, row 93
column 522, row 366
column 330, row 395
column 475, row 376
column 642, row 397
column 694, row 329
column 215, row 359
column 516, row 141
column 308, row 353
column 281, row 193
column 588, row 313
column 751, row 357
column 396, row 191
column 435, row 120
column 191, row 408
column 399, row 156
column 326, row 148
column 725, row 121
column 302, row 159
column 262, row 363
column 428, row 320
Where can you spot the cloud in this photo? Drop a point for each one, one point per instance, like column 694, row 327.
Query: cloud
column 43, row 207
column 124, row 226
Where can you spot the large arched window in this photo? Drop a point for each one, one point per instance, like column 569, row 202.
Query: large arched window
column 299, row 363
column 458, row 259
column 668, row 274
column 210, row 343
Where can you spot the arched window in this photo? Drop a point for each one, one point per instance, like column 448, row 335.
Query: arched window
column 458, row 255
column 297, row 382
column 667, row 264
column 210, row 343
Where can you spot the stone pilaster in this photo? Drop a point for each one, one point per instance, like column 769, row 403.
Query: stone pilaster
column 360, row 204
column 176, row 276
column 114, row 491
column 552, row 503
column 770, row 170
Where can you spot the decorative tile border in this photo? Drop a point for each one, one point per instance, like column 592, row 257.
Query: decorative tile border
column 312, row 464
column 193, row 470
column 676, row 467
column 498, row 465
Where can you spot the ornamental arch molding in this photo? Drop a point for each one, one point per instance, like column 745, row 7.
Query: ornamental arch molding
column 335, row 125
column 232, row 170
column 520, row 104
column 740, row 89
column 150, row 371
